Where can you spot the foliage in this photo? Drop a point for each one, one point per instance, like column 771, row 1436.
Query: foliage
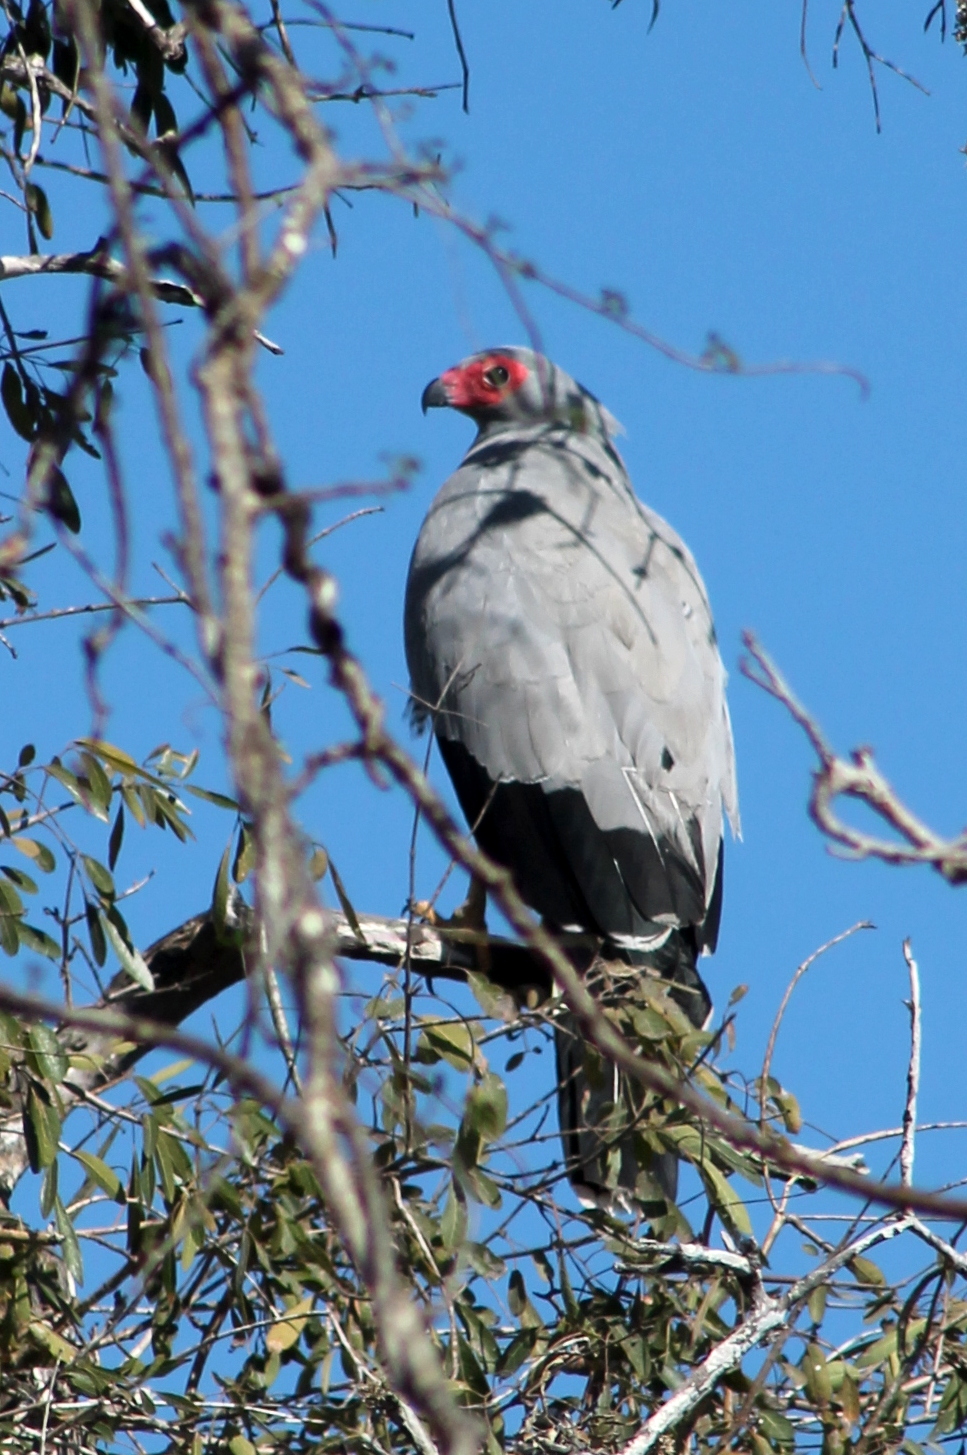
column 357, row 1234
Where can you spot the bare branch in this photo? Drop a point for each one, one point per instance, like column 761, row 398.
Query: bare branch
column 800, row 972
column 860, row 779
column 913, row 1070
column 97, row 264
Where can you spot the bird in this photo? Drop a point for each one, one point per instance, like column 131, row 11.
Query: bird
column 561, row 645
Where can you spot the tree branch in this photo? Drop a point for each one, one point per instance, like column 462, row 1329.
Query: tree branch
column 860, row 779
column 913, row 1071
column 768, row 1314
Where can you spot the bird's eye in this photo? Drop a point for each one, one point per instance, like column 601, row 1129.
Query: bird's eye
column 497, row 376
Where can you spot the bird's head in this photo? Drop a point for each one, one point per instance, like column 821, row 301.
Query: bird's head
column 505, row 386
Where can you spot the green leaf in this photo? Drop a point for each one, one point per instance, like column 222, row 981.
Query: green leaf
column 450, row 1039
column 99, row 786
column 17, row 876
column 132, row 799
column 815, row 1371
column 99, row 876
column 486, row 1108
column 479, row 1257
column 519, row 1348
column 37, row 852
column 60, row 501
column 41, row 1130
column 516, row 1293
column 36, row 200
column 220, row 800
column 55, row 1346
column 48, row 1190
column 864, row 1270
column 777, row 1428
column 95, row 932
column 484, row 1188
column 130, row 958
column 116, row 839
column 9, row 935
column 20, row 415
column 12, row 1034
column 114, row 757
column 453, row 1223
column 39, row 941
column 879, row 1352
column 105, row 1177
column 67, row 780
column 490, row 997
column 244, row 855
column 47, row 1053
column 70, row 1247
column 817, row 1303
column 286, row 1331
column 10, row 901
column 721, row 1194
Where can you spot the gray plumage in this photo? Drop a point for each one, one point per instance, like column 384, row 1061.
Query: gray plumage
column 560, row 639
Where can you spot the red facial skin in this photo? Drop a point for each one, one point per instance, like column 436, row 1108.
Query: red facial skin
column 467, row 389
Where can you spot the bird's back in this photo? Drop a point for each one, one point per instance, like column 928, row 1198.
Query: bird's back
column 560, row 633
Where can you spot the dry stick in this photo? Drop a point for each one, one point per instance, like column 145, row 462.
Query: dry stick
column 779, row 1208
column 800, row 972
column 863, row 1138
column 859, row 779
column 913, row 1071
column 61, row 612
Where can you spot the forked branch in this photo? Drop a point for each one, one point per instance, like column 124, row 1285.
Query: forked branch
column 857, row 777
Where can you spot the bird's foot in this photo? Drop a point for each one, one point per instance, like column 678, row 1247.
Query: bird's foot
column 470, row 915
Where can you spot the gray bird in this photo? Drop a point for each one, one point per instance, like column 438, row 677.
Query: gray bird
column 560, row 641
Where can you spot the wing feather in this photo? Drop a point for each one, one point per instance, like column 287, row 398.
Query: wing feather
column 564, row 630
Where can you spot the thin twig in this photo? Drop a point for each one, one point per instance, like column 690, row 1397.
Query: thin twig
column 862, row 924
column 860, row 779
column 913, row 1070
column 61, row 612
column 458, row 42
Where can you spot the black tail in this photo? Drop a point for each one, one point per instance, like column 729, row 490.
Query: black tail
column 610, row 1154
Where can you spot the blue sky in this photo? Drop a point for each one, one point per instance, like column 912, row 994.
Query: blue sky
column 698, row 169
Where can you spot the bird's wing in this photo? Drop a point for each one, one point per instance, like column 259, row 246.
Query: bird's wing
column 561, row 633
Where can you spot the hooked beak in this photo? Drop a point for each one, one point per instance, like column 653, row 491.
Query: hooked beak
column 435, row 396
